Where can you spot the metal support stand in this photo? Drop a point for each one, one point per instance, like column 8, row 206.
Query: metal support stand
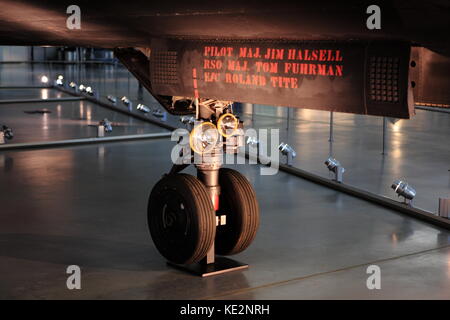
column 253, row 144
column 100, row 131
column 444, row 208
column 330, row 139
column 408, row 202
column 218, row 266
column 287, row 120
column 338, row 174
column 289, row 158
column 384, row 135
column 330, row 149
column 140, row 91
column 331, row 127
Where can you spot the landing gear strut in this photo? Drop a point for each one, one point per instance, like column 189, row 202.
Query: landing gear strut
column 193, row 218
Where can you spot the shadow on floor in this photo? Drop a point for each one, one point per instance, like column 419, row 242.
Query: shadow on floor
column 85, row 252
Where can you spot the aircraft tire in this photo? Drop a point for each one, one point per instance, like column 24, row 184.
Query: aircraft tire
column 238, row 202
column 181, row 218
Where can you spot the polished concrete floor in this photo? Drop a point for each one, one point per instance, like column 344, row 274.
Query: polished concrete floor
column 66, row 120
column 32, row 93
column 86, row 205
column 417, row 150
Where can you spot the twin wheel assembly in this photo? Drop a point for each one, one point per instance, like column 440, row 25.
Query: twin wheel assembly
column 193, row 218
column 182, row 219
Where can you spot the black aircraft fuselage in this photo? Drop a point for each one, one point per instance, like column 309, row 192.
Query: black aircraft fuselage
column 317, row 55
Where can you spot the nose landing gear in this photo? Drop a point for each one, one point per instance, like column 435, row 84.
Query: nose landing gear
column 192, row 218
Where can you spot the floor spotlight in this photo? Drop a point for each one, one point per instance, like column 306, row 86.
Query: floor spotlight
column 143, row 108
column 89, row 91
column 82, row 88
column 252, row 141
column 44, row 79
column 188, row 121
column 112, row 99
column 335, row 166
column 73, row 85
column 59, row 80
column 287, row 151
column 106, row 124
column 444, row 208
column 127, row 102
column 404, row 190
column 103, row 126
column 6, row 133
column 158, row 113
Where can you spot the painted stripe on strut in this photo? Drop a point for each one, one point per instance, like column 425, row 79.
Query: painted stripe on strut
column 215, row 201
column 194, row 80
